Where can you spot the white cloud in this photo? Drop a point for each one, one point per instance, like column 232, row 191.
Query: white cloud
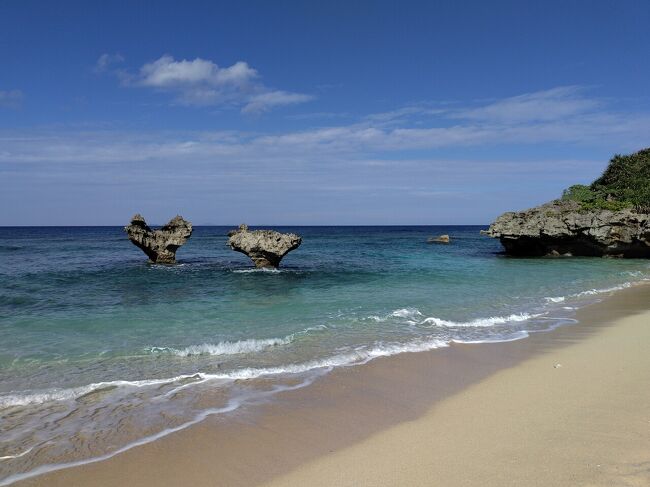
column 202, row 82
column 169, row 73
column 11, row 98
column 238, row 74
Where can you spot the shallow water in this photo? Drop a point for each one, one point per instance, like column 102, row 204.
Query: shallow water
column 101, row 350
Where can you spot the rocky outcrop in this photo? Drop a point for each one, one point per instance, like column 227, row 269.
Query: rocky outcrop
column 442, row 239
column 160, row 245
column 566, row 228
column 266, row 248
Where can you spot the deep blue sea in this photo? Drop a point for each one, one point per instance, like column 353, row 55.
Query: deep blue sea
column 100, row 350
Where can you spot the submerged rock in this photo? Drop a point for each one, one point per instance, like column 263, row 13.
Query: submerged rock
column 564, row 228
column 266, row 248
column 443, row 239
column 160, row 245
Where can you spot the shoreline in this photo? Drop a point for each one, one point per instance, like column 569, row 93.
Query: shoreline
column 572, row 414
column 345, row 410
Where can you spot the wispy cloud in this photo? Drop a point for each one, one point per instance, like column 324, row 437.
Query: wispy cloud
column 392, row 161
column 547, row 105
column 583, row 121
column 11, row 98
column 106, row 61
column 401, row 115
column 263, row 102
column 319, row 115
column 201, row 82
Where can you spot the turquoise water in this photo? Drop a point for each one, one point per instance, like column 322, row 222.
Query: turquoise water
column 101, row 350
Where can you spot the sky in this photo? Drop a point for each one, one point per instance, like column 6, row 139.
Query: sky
column 312, row 113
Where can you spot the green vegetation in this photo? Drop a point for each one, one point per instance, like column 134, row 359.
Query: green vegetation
column 624, row 184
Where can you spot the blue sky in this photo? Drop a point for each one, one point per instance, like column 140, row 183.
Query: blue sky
column 312, row 112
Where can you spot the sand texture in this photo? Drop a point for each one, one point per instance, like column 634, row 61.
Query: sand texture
column 578, row 416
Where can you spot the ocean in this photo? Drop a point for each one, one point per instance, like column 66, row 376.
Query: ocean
column 101, row 351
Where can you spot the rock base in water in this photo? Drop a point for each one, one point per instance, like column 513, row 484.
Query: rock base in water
column 266, row 248
column 563, row 228
column 442, row 239
column 160, row 245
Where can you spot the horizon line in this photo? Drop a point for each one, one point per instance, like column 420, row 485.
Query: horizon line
column 265, row 225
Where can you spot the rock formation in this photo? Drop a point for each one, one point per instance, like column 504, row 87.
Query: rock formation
column 160, row 245
column 266, row 248
column 442, row 239
column 564, row 227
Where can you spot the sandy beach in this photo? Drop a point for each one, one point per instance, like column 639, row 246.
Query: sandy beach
column 576, row 415
column 568, row 407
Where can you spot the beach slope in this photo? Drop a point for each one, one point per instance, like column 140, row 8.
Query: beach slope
column 577, row 415
column 570, row 407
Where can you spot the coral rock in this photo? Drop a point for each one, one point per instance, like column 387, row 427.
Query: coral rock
column 564, row 228
column 443, row 239
column 160, row 245
column 266, row 248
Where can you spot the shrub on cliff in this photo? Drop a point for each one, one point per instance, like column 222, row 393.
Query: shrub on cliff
column 625, row 183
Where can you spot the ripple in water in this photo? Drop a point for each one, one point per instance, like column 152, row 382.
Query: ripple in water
column 102, row 351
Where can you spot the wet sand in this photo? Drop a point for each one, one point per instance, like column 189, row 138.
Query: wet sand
column 568, row 407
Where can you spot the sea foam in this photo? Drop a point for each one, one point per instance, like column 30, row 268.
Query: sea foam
column 345, row 358
column 597, row 291
column 232, row 405
column 225, row 348
column 480, row 322
column 24, row 398
column 17, row 455
column 558, row 299
column 592, row 292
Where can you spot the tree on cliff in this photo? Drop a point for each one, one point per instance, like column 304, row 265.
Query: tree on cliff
column 625, row 183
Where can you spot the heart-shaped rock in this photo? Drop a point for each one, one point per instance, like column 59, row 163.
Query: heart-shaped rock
column 160, row 245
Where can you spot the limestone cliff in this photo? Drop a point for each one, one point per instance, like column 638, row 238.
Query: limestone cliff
column 564, row 227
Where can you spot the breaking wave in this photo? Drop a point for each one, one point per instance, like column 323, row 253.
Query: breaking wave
column 491, row 321
column 592, row 292
column 415, row 317
column 558, row 299
column 24, row 398
column 225, row 348
column 352, row 357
